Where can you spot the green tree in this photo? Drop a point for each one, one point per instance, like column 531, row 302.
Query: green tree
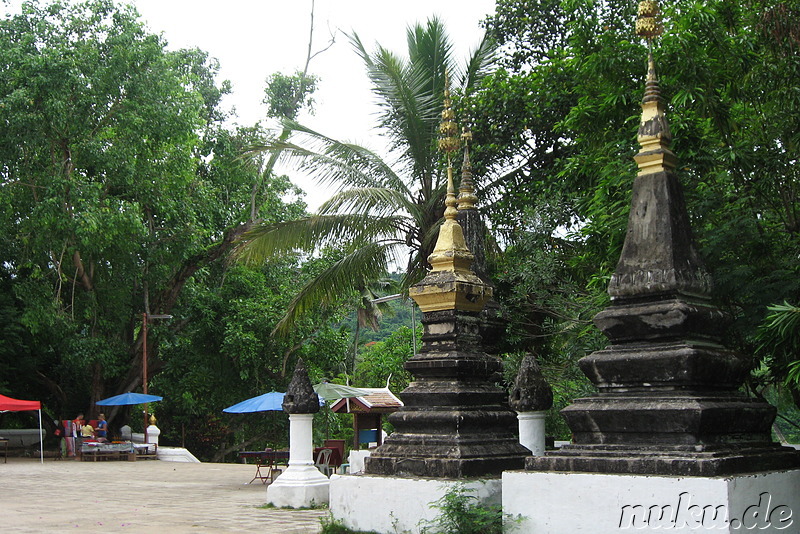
column 379, row 208
column 225, row 354
column 557, row 127
column 119, row 185
column 382, row 361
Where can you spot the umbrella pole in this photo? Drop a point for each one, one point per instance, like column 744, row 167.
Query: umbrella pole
column 144, row 369
column 41, row 438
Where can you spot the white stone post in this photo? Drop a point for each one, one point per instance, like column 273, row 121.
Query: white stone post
column 301, row 447
column 531, row 431
column 302, row 484
column 152, row 434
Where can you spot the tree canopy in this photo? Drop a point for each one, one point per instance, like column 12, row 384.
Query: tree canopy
column 557, row 125
column 123, row 191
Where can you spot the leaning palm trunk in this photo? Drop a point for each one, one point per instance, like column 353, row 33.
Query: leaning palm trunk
column 380, row 213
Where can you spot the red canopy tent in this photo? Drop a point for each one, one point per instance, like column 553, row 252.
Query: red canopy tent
column 7, row 404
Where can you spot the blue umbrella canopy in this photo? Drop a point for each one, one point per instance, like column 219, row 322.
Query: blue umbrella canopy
column 129, row 398
column 267, row 402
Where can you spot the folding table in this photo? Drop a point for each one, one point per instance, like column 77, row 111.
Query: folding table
column 269, row 460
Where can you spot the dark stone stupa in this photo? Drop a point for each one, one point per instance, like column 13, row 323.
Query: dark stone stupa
column 669, row 400
column 455, row 422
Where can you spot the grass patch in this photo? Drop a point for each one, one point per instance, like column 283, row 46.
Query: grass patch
column 332, row 526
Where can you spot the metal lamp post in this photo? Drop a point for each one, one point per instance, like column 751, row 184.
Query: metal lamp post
column 146, row 319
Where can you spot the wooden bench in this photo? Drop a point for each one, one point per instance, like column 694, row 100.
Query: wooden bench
column 108, row 455
column 107, row 451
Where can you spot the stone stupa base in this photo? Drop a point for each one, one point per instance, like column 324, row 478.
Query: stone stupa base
column 376, row 503
column 300, row 486
column 595, row 503
column 705, row 461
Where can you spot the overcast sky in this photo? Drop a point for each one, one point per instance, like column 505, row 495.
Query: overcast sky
column 253, row 39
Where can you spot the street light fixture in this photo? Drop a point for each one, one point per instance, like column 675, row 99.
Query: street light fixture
column 145, row 320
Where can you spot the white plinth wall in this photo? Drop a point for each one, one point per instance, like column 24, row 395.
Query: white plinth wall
column 356, row 461
column 302, row 484
column 531, row 431
column 176, row 454
column 397, row 505
column 559, row 503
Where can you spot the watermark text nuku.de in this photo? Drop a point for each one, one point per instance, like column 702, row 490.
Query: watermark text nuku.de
column 685, row 514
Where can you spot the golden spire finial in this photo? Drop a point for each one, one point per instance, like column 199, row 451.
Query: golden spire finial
column 448, row 129
column 466, row 190
column 648, row 22
column 451, row 284
column 654, row 135
column 451, row 252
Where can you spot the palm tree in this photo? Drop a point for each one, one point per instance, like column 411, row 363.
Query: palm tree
column 380, row 212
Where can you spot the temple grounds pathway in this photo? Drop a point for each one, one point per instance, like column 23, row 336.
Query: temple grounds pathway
column 140, row 497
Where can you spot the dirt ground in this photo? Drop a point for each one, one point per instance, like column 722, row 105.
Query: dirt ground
column 141, row 497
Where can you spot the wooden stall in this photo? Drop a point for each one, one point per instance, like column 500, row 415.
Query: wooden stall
column 367, row 414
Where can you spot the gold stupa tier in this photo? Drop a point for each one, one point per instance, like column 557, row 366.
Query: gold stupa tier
column 451, row 284
column 648, row 21
column 654, row 134
column 466, row 190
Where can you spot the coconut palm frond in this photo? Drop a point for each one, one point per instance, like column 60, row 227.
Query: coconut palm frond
column 480, row 64
column 331, row 162
column 430, row 47
column 409, row 107
column 415, row 270
column 310, row 233
column 410, row 112
column 364, row 263
column 373, row 200
column 397, row 207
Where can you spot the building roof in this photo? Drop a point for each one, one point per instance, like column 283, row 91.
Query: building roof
column 379, row 400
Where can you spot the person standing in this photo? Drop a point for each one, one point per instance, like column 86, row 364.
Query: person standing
column 102, row 428
column 77, row 426
column 69, row 438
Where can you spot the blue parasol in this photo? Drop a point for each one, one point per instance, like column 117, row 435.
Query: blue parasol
column 267, row 402
column 129, row 398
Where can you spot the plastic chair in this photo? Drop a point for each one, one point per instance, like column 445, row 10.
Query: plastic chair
column 323, row 462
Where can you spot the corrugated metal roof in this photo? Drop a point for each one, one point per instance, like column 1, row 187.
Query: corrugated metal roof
column 378, row 400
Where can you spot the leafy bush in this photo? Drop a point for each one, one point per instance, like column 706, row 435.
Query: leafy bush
column 462, row 513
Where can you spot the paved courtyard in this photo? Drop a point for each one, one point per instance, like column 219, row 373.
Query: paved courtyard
column 141, row 497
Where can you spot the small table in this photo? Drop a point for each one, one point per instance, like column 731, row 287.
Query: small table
column 93, row 451
column 4, row 441
column 268, row 460
column 145, row 450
